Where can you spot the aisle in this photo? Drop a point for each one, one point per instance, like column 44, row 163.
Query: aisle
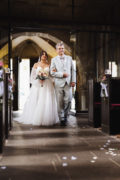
column 76, row 152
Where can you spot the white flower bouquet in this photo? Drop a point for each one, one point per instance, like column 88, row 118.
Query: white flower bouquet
column 42, row 75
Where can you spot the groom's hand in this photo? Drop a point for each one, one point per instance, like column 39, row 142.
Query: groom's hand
column 54, row 70
column 65, row 75
column 72, row 84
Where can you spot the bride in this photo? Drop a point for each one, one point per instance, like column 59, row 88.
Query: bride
column 41, row 107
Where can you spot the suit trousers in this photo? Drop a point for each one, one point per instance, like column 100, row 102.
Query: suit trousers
column 64, row 97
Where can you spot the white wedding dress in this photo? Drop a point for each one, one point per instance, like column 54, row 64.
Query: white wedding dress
column 41, row 107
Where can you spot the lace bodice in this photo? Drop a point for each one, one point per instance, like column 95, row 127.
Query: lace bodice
column 40, row 69
column 35, row 72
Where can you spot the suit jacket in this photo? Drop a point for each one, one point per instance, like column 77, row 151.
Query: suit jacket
column 63, row 66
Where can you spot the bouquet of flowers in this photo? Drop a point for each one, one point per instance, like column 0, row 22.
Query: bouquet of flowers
column 42, row 75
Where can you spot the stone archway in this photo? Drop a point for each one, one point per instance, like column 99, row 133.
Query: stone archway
column 36, row 41
column 39, row 39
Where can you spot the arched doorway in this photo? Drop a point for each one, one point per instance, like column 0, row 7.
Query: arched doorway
column 27, row 47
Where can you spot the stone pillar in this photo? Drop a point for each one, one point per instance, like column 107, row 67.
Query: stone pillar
column 118, row 69
column 15, row 78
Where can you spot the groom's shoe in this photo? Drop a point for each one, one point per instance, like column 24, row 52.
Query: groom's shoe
column 64, row 122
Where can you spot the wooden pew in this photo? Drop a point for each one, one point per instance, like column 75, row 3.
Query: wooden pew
column 2, row 121
column 2, row 126
column 5, row 105
column 94, row 107
column 5, row 113
column 110, row 108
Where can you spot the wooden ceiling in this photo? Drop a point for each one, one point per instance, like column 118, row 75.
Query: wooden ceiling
column 59, row 13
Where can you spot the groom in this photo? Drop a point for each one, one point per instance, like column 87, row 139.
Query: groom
column 63, row 71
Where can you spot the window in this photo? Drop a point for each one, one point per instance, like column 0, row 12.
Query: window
column 113, row 68
column 24, row 81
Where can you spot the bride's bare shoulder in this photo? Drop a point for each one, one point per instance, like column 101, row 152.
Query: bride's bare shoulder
column 35, row 65
column 48, row 64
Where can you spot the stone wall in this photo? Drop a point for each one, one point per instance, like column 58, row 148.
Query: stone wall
column 92, row 49
column 93, row 52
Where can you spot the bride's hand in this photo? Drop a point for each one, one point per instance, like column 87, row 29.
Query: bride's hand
column 65, row 75
column 54, row 70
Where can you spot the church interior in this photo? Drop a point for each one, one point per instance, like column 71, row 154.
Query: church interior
column 88, row 148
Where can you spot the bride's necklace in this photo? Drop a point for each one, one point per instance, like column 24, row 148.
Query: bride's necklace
column 42, row 64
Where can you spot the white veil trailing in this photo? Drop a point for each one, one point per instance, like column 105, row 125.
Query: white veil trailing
column 33, row 74
column 39, row 59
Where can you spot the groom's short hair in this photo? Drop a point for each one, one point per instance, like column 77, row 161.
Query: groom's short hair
column 59, row 44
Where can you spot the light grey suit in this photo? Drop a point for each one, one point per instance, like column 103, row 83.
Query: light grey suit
column 63, row 85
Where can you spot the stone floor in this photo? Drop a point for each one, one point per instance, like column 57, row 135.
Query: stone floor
column 76, row 152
